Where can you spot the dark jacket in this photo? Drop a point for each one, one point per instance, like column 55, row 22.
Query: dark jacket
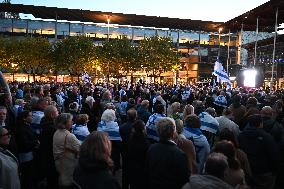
column 25, row 138
column 93, row 121
column 46, row 146
column 91, row 173
column 166, row 166
column 274, row 128
column 143, row 113
column 137, row 149
column 261, row 150
column 206, row 181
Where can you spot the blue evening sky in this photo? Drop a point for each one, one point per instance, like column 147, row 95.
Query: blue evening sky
column 210, row 10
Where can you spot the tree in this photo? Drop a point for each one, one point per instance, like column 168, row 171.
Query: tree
column 35, row 56
column 74, row 55
column 157, row 55
column 10, row 55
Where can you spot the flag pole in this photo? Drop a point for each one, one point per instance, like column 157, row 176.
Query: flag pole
column 273, row 54
column 228, row 57
column 255, row 45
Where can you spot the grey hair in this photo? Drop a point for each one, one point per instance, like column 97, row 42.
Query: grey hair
column 34, row 101
column 166, row 127
column 62, row 120
column 49, row 110
column 108, row 115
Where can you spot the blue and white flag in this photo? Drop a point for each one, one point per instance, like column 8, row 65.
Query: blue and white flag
column 221, row 73
column 86, row 78
column 208, row 123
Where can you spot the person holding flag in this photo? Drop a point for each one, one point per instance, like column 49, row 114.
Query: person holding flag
column 221, row 74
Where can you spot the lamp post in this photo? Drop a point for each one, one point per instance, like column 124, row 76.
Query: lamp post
column 108, row 21
column 220, row 29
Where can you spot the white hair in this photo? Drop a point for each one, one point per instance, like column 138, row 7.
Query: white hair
column 89, row 99
column 108, row 115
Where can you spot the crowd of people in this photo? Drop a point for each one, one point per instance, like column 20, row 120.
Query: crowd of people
column 80, row 135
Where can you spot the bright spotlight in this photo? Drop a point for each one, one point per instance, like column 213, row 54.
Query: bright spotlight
column 250, row 78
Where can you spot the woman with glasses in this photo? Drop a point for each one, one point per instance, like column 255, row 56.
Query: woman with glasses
column 9, row 175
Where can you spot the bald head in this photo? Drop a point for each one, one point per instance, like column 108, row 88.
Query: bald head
column 267, row 111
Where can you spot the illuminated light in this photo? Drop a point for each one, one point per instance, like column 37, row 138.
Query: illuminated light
column 220, row 29
column 250, row 78
column 232, row 78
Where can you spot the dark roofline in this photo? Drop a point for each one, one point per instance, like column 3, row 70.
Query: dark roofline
column 266, row 14
column 265, row 42
column 116, row 18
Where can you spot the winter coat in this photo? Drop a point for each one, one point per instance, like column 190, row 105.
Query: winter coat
column 91, row 173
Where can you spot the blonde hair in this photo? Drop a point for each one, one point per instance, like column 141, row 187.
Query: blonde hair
column 188, row 110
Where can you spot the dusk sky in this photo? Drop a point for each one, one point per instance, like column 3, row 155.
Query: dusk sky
column 210, row 10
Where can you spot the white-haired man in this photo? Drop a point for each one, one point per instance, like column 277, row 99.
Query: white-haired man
column 166, row 165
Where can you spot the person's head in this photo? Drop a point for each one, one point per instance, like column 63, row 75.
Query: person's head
column 192, row 121
column 108, row 115
column 82, row 119
column 20, row 102
column 211, row 111
column 131, row 115
column 251, row 102
column 64, row 121
column 106, row 95
column 138, row 127
column 25, row 117
column 267, row 111
column 216, row 165
column 51, row 112
column 227, row 134
column 97, row 147
column 3, row 113
column 42, row 103
column 145, row 103
column 124, row 98
column 255, row 120
column 188, row 110
column 227, row 148
column 74, row 107
column 236, row 100
column 4, row 137
column 90, row 101
column 175, row 107
column 179, row 126
column 166, row 128
column 159, row 108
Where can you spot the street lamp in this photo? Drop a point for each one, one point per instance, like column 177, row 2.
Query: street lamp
column 220, row 30
column 108, row 20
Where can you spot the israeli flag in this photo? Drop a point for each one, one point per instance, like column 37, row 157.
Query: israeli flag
column 86, row 78
column 208, row 123
column 221, row 73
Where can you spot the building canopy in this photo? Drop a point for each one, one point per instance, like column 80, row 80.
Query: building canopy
column 115, row 18
column 266, row 14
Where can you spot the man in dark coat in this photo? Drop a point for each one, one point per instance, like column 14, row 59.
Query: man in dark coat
column 166, row 165
column 125, row 130
column 262, row 152
column 143, row 111
column 46, row 147
column 270, row 125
